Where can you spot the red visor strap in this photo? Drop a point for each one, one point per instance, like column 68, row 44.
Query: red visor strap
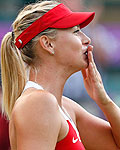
column 47, row 20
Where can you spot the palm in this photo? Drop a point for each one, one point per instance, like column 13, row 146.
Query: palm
column 93, row 82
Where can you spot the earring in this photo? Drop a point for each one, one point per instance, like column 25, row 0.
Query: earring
column 52, row 51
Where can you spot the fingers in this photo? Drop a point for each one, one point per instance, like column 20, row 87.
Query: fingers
column 91, row 59
column 90, row 48
column 92, row 67
column 93, row 72
column 90, row 55
column 84, row 73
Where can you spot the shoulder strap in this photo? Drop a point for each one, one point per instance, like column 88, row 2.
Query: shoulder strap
column 64, row 115
column 67, row 117
column 31, row 84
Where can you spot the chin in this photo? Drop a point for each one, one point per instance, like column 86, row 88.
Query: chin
column 80, row 66
column 84, row 67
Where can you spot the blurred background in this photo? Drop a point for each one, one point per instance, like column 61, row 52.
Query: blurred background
column 105, row 34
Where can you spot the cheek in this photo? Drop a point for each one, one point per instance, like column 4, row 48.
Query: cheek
column 71, row 44
column 68, row 49
column 76, row 46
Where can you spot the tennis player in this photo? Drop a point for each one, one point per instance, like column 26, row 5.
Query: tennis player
column 45, row 47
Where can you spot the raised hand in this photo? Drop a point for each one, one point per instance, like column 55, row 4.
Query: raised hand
column 93, row 82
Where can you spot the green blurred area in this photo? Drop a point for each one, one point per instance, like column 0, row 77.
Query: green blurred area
column 10, row 8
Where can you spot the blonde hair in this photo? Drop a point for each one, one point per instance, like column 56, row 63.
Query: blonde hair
column 13, row 60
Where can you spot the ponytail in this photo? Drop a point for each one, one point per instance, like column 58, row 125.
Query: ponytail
column 13, row 73
column 13, row 60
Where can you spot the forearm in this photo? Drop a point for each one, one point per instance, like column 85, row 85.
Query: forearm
column 94, row 86
column 112, row 112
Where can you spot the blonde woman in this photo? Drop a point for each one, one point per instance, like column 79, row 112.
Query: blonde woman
column 45, row 47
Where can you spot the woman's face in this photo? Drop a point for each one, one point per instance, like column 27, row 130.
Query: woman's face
column 71, row 47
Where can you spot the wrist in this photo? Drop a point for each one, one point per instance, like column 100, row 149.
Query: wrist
column 104, row 100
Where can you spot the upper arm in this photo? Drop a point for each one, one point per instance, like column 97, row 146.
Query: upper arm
column 95, row 133
column 37, row 123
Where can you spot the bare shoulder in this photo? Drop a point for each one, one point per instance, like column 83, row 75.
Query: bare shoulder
column 82, row 116
column 79, row 111
column 35, row 104
column 91, row 127
column 35, row 101
column 74, row 106
column 34, row 117
column 70, row 102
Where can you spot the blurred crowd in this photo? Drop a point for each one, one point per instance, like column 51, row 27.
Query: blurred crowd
column 105, row 35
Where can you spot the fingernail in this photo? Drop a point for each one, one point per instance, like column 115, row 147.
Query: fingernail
column 91, row 47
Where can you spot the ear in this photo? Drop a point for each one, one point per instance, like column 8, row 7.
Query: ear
column 47, row 44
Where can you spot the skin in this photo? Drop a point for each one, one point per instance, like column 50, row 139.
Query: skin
column 36, row 112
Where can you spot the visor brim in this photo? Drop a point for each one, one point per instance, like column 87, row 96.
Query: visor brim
column 75, row 18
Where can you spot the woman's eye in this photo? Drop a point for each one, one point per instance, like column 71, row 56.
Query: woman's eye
column 76, row 31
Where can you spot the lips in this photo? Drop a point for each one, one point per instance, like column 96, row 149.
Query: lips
column 86, row 53
column 86, row 49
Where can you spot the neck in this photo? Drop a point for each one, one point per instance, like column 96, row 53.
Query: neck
column 51, row 79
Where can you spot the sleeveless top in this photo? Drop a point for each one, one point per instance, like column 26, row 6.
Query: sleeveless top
column 72, row 141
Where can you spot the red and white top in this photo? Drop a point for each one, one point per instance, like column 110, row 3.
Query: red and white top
column 72, row 141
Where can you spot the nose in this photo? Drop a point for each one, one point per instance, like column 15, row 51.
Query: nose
column 86, row 40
